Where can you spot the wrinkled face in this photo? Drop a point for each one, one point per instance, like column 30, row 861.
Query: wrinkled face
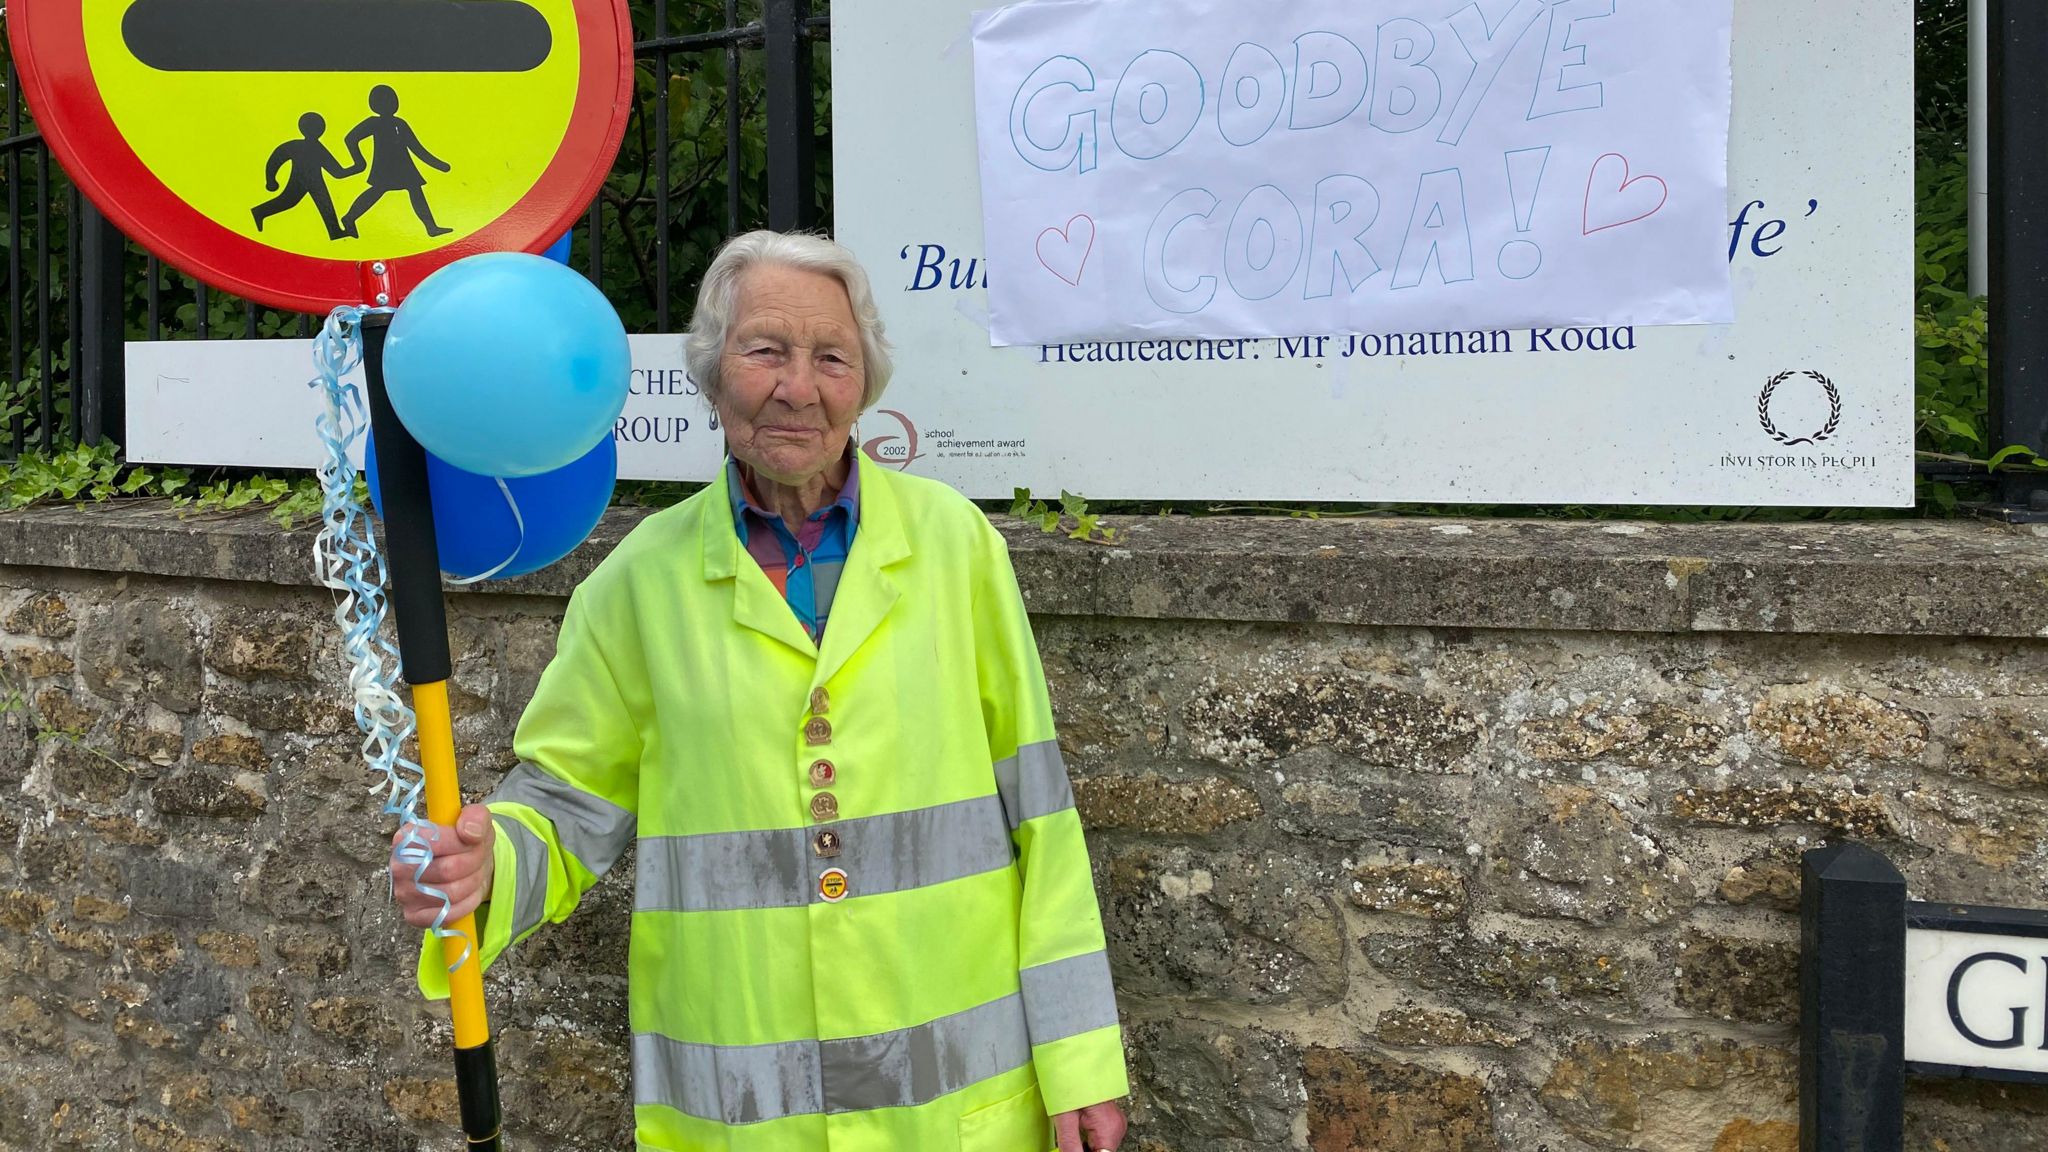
column 791, row 377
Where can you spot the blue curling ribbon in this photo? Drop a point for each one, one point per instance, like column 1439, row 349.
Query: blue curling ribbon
column 346, row 559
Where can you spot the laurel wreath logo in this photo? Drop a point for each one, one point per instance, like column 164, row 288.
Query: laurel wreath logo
column 1763, row 409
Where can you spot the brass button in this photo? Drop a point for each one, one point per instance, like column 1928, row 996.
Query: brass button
column 825, row 843
column 823, row 774
column 824, row 806
column 821, row 701
column 818, row 731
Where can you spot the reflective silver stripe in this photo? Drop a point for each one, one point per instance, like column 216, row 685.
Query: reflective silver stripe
column 728, row 1084
column 530, row 894
column 1033, row 783
column 904, row 1068
column 592, row 829
column 1068, row 997
column 776, row 868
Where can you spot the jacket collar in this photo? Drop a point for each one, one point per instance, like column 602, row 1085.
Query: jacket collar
column 865, row 595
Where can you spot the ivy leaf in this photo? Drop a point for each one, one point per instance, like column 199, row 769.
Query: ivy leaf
column 1020, row 505
column 2008, row 452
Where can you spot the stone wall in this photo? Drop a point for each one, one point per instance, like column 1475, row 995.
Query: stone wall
column 1419, row 836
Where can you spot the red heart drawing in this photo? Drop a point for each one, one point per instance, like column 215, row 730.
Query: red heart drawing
column 1616, row 202
column 1063, row 256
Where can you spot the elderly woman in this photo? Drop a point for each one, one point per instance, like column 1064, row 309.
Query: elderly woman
column 863, row 920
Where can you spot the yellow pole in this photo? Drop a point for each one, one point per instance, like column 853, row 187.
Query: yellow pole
column 444, row 804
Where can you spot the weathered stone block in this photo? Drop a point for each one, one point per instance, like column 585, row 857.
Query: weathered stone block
column 175, row 890
column 142, row 649
column 1855, row 814
column 262, row 645
column 59, row 711
column 1769, row 879
column 141, row 1028
column 230, row 949
column 359, row 1023
column 1671, row 1093
column 570, row 1085
column 1359, row 1100
column 28, row 1025
column 210, row 793
column 84, row 774
column 359, row 1129
column 301, row 711
column 1441, row 1028
column 1499, row 965
column 1755, row 981
column 1581, row 858
column 262, row 1114
column 1651, row 736
column 155, row 951
column 299, row 887
column 22, row 911
column 1823, row 728
column 1251, row 927
column 270, row 1006
column 1329, row 796
column 193, row 994
column 1153, row 803
column 2006, row 746
column 1432, row 890
column 1204, row 1085
column 1260, row 722
column 314, row 953
column 47, row 615
column 232, row 750
column 423, row 1102
column 24, row 662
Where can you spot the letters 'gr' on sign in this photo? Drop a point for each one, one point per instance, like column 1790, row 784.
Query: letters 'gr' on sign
column 1977, row 992
column 280, row 149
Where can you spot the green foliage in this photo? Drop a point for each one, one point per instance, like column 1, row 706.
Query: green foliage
column 95, row 474
column 1072, row 514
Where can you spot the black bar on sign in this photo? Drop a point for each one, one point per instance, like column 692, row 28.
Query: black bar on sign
column 2018, row 230
column 337, row 35
column 1852, row 1001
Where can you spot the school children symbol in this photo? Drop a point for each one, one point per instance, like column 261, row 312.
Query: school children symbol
column 306, row 165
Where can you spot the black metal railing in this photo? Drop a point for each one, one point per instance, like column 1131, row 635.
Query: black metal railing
column 730, row 108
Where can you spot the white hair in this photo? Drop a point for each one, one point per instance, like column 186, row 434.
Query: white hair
column 717, row 297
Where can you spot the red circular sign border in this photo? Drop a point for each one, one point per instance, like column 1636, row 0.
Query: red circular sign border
column 48, row 38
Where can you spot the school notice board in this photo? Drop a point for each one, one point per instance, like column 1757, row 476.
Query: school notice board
column 1437, row 284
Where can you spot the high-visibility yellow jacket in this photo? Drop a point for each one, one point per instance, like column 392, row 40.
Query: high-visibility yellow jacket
column 864, row 919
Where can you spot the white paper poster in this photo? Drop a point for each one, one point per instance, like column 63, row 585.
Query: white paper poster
column 1217, row 168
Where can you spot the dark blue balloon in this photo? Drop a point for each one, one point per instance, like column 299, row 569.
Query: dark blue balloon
column 559, row 250
column 475, row 529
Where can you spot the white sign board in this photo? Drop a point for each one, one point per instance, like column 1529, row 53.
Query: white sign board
column 1977, row 1000
column 245, row 403
column 1192, row 168
column 1806, row 399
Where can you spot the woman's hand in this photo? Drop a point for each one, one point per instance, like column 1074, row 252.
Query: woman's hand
column 1096, row 1128
column 461, row 868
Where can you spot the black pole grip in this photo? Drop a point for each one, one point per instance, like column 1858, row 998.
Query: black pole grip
column 476, row 1087
column 409, row 545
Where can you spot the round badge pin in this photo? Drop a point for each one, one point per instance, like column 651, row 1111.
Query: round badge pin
column 832, row 885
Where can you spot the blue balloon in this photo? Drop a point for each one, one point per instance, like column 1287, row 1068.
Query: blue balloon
column 559, row 250
column 507, row 364
column 474, row 527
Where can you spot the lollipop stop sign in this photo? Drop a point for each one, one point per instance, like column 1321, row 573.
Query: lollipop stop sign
column 284, row 150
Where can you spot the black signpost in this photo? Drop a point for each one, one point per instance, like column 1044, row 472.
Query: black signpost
column 2018, row 237
column 1854, row 1037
